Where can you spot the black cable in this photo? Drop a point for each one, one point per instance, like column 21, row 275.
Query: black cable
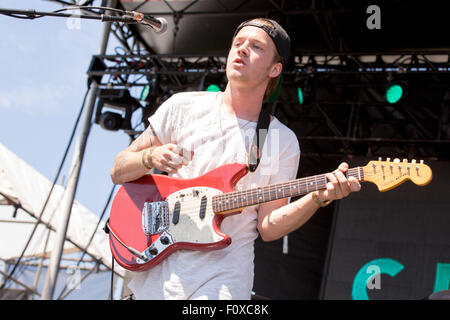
column 32, row 14
column 112, row 279
column 49, row 194
column 90, row 7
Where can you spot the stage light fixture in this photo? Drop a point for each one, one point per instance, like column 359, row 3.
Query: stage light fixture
column 300, row 95
column 213, row 88
column 116, row 99
column 276, row 93
column 111, row 121
column 144, row 93
column 394, row 93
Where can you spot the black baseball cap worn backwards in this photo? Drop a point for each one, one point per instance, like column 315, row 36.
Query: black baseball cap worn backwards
column 278, row 35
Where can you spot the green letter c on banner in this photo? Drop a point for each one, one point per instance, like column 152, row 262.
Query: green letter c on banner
column 362, row 278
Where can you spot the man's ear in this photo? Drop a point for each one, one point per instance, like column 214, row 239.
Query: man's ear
column 276, row 70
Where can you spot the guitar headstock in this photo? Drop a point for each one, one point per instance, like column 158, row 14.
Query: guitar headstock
column 389, row 174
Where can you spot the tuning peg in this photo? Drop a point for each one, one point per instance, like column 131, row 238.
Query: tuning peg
column 413, row 161
column 380, row 158
column 388, row 159
column 405, row 160
column 421, row 161
column 396, row 160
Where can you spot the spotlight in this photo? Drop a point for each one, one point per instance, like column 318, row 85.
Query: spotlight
column 276, row 93
column 111, row 121
column 144, row 93
column 213, row 88
column 394, row 93
column 117, row 99
column 300, row 95
column 305, row 89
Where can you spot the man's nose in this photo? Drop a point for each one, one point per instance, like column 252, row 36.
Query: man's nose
column 243, row 49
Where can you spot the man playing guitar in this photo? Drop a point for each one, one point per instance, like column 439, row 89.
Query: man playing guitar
column 195, row 132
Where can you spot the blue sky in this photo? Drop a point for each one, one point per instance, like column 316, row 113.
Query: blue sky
column 43, row 64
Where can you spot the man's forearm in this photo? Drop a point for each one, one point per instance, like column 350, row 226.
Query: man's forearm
column 289, row 218
column 129, row 166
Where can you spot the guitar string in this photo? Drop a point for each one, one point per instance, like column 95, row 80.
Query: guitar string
column 300, row 183
column 192, row 207
column 270, row 191
column 252, row 192
column 270, row 194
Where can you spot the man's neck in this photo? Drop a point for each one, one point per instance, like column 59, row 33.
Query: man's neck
column 244, row 103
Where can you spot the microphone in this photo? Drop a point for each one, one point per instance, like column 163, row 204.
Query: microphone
column 157, row 24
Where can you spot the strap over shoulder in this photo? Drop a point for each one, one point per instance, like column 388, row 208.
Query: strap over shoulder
column 262, row 127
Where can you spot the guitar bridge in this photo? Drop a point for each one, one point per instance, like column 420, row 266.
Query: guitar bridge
column 155, row 217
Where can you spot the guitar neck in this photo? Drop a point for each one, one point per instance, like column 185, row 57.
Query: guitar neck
column 238, row 200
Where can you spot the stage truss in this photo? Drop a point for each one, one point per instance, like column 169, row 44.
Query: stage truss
column 344, row 111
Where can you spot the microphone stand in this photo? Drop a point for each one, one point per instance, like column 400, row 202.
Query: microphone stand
column 33, row 14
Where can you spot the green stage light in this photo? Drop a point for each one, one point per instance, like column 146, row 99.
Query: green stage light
column 276, row 92
column 394, row 93
column 144, row 93
column 300, row 95
column 213, row 88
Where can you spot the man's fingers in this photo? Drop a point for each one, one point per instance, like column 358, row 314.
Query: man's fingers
column 354, row 184
column 332, row 186
column 344, row 184
column 343, row 167
column 176, row 158
column 338, row 185
column 168, row 169
column 186, row 154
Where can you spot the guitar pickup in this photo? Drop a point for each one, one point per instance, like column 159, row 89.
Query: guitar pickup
column 155, row 217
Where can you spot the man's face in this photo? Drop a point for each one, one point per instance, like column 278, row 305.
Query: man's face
column 250, row 59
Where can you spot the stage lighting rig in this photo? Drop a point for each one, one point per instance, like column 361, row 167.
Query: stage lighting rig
column 115, row 99
column 394, row 93
column 111, row 121
column 213, row 88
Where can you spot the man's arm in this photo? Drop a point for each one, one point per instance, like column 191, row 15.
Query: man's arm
column 278, row 218
column 147, row 152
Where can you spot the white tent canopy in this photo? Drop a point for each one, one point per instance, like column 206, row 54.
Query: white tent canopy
column 28, row 189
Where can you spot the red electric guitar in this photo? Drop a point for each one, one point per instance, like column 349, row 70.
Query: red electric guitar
column 157, row 214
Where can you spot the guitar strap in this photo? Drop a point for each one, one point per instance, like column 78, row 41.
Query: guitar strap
column 257, row 144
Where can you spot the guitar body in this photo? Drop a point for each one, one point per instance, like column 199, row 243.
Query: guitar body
column 186, row 220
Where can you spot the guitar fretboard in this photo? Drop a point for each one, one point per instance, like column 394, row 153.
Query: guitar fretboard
column 237, row 200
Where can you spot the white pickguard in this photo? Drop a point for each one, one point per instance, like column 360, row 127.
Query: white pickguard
column 190, row 227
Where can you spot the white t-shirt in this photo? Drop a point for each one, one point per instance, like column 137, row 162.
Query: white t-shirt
column 195, row 121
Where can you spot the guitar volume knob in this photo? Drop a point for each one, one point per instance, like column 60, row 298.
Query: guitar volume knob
column 164, row 240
